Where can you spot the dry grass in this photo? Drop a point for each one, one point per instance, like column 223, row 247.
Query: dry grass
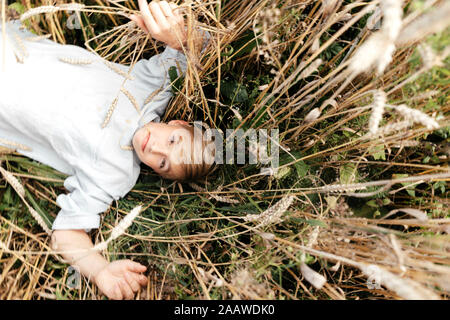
column 363, row 115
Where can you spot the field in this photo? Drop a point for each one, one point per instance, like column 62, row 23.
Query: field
column 358, row 207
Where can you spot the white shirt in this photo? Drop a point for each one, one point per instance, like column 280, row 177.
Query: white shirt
column 57, row 110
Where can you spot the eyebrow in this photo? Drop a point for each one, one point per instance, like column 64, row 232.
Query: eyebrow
column 168, row 159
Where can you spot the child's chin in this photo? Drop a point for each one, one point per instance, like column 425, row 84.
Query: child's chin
column 137, row 138
column 136, row 147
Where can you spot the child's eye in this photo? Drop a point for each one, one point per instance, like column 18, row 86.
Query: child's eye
column 163, row 163
column 172, row 139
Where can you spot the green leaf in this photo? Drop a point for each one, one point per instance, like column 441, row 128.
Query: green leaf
column 317, row 223
column 439, row 186
column 410, row 191
column 378, row 152
column 312, row 222
column 234, row 91
column 309, row 259
column 348, row 173
column 372, row 203
column 302, row 168
column 409, row 186
column 282, row 173
column 7, row 197
column 45, row 216
column 18, row 7
column 175, row 79
column 228, row 51
column 260, row 117
column 244, row 45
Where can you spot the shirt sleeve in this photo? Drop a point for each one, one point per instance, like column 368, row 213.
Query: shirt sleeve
column 153, row 76
column 81, row 208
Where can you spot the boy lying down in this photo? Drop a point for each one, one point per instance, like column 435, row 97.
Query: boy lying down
column 60, row 114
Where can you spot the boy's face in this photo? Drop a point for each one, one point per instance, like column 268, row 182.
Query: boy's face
column 161, row 146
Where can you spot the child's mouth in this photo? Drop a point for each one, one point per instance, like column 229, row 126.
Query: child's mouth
column 144, row 144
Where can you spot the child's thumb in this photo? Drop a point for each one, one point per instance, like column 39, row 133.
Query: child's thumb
column 139, row 21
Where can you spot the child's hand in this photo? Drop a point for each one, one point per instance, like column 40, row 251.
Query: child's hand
column 121, row 279
column 162, row 22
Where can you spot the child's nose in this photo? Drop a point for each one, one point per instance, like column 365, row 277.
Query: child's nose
column 156, row 148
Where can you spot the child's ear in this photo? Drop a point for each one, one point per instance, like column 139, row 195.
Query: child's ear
column 178, row 122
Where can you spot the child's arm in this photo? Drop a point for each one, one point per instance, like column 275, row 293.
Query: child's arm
column 164, row 22
column 117, row 280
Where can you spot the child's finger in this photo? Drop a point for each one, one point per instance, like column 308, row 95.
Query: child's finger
column 159, row 16
column 134, row 285
column 135, row 267
column 166, row 9
column 140, row 22
column 142, row 280
column 177, row 12
column 126, row 290
column 175, row 8
column 117, row 292
column 149, row 20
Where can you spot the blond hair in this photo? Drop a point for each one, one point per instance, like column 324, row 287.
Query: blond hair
column 201, row 152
